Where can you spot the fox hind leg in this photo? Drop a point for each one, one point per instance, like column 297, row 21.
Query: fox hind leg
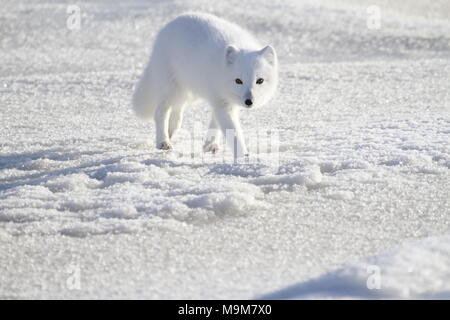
column 176, row 117
column 162, row 114
column 169, row 115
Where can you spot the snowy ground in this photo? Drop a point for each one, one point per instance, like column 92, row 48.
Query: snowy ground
column 418, row 270
column 364, row 123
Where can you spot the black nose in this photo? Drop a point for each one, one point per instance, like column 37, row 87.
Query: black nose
column 248, row 102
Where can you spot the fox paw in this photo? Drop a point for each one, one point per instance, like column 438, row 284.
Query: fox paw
column 164, row 145
column 211, row 147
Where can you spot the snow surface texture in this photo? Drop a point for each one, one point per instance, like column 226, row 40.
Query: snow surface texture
column 418, row 270
column 364, row 123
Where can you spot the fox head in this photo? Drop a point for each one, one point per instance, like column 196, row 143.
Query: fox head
column 251, row 76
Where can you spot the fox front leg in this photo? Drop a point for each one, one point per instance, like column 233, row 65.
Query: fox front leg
column 162, row 115
column 228, row 119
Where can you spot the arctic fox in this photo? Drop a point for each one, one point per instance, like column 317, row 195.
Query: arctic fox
column 199, row 55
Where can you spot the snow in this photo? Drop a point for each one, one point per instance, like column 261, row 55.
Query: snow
column 416, row 270
column 362, row 167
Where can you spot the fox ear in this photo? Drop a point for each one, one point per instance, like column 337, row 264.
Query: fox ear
column 268, row 52
column 231, row 54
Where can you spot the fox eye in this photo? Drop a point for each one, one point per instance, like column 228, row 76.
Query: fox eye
column 238, row 81
column 260, row 81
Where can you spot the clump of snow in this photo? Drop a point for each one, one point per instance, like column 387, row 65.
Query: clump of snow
column 71, row 182
column 121, row 210
column 310, row 178
column 40, row 164
column 416, row 270
column 341, row 195
column 233, row 203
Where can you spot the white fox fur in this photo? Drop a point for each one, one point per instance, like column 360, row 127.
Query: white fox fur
column 201, row 55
